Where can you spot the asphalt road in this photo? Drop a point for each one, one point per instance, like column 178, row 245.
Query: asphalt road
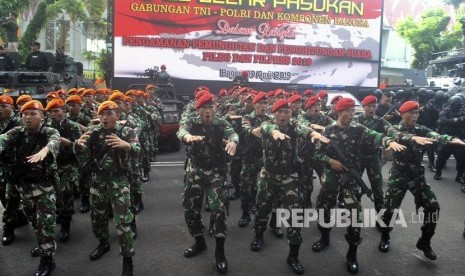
column 163, row 237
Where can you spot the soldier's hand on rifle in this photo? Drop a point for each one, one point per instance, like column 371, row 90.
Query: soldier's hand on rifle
column 256, row 132
column 396, row 146
column 231, row 148
column 278, row 135
column 457, row 142
column 188, row 139
column 388, row 116
column 115, row 142
column 38, row 156
column 317, row 136
column 423, row 140
column 336, row 165
column 83, row 139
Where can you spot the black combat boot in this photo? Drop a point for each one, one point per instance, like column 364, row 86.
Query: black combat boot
column 127, row 266
column 437, row 175
column 277, row 231
column 385, row 242
column 85, row 205
column 146, row 175
column 138, row 204
column 134, row 228
column 352, row 264
column 459, row 178
column 8, row 234
column 323, row 241
column 245, row 219
column 65, row 229
column 293, row 259
column 424, row 244
column 102, row 248
column 196, row 248
column 432, row 167
column 257, row 242
column 221, row 262
column 46, row 266
column 35, row 252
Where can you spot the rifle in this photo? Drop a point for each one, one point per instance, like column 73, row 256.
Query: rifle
column 390, row 111
column 92, row 164
column 22, row 167
column 415, row 186
column 353, row 171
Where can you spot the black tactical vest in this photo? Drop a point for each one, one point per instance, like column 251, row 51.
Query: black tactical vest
column 281, row 154
column 208, row 154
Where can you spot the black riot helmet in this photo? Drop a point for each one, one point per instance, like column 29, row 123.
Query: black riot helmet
column 430, row 93
column 378, row 93
column 455, row 103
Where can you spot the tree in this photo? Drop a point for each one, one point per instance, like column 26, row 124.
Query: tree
column 12, row 5
column 455, row 3
column 429, row 35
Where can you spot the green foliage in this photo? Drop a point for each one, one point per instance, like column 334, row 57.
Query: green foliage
column 455, row 3
column 429, row 35
column 11, row 5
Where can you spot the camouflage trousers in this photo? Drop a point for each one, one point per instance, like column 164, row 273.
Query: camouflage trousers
column 211, row 181
column 145, row 151
column 114, row 191
column 398, row 184
column 306, row 178
column 85, row 181
column 249, row 177
column 11, row 201
column 67, row 179
column 270, row 188
column 235, row 172
column 135, row 188
column 327, row 199
column 39, row 202
column 372, row 164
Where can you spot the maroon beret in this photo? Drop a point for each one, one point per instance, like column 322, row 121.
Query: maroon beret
column 207, row 98
column 280, row 104
column 344, row 104
column 311, row 101
column 260, row 96
column 222, row 92
column 295, row 98
column 309, row 92
column 408, row 105
column 336, row 99
column 370, row 99
column 250, row 97
column 278, row 92
column 270, row 93
column 244, row 90
column 323, row 94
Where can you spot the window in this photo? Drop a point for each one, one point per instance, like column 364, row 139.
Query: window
column 57, row 34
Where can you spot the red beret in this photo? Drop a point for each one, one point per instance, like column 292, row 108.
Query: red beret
column 408, row 105
column 6, row 100
column 200, row 93
column 311, row 101
column 280, row 104
column 271, row 94
column 309, row 92
column 260, row 96
column 278, row 92
column 323, row 94
column 107, row 105
column 250, row 97
column 222, row 92
column 207, row 98
column 295, row 98
column 336, row 99
column 233, row 89
column 245, row 74
column 34, row 105
column 370, row 99
column 73, row 99
column 344, row 104
column 244, row 90
column 55, row 103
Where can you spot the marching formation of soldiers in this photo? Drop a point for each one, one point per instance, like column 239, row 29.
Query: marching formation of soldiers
column 96, row 145
column 274, row 141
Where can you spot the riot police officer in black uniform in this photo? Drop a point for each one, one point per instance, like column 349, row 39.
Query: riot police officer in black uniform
column 6, row 63
column 36, row 61
column 428, row 117
column 452, row 122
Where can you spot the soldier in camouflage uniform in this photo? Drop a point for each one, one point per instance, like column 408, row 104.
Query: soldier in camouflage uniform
column 350, row 137
column 33, row 149
column 371, row 157
column 20, row 101
column 74, row 114
column 13, row 215
column 89, row 108
column 206, row 171
column 296, row 105
column 407, row 173
column 252, row 156
column 279, row 177
column 67, row 163
column 306, row 150
column 110, row 146
column 323, row 95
